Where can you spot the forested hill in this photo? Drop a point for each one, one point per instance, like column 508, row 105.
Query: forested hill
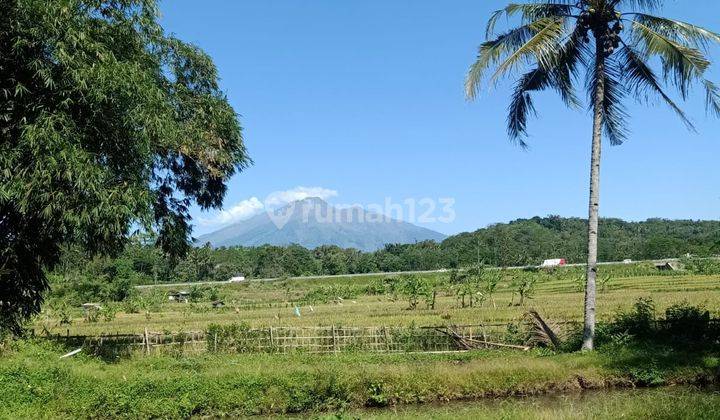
column 520, row 242
column 529, row 241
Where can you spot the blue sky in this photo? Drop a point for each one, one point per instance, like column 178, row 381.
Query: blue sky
column 363, row 100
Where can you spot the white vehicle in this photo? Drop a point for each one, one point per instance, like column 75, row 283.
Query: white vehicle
column 555, row 262
column 237, row 279
column 627, row 261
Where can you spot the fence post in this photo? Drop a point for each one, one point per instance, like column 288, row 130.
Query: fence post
column 387, row 338
column 147, row 342
column 272, row 340
column 215, row 339
column 334, row 340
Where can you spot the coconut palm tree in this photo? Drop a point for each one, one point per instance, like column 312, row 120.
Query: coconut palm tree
column 611, row 45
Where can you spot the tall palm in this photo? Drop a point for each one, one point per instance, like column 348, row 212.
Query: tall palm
column 612, row 45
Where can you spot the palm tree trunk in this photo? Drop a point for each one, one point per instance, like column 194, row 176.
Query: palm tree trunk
column 594, row 204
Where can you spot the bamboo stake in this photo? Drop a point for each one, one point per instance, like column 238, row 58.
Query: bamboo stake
column 334, row 340
column 147, row 341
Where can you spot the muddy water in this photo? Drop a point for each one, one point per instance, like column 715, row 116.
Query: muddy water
column 654, row 403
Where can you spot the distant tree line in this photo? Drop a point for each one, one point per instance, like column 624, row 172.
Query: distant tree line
column 521, row 242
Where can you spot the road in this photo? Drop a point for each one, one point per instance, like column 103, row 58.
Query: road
column 391, row 273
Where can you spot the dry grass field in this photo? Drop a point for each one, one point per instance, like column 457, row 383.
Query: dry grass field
column 354, row 302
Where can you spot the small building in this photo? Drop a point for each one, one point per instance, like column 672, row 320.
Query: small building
column 667, row 266
column 179, row 297
column 237, row 279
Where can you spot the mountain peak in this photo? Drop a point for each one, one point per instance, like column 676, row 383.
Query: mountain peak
column 312, row 222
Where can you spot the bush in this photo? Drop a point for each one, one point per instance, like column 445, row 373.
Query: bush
column 703, row 266
column 684, row 322
column 108, row 312
column 378, row 287
column 683, row 325
column 326, row 294
column 639, row 322
column 237, row 337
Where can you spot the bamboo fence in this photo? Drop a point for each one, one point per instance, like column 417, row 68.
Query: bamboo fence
column 323, row 340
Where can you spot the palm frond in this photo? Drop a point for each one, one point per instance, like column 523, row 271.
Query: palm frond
column 564, row 66
column 712, row 97
column 521, row 104
column 684, row 63
column 681, row 32
column 530, row 12
column 544, row 332
column 559, row 75
column 523, row 38
column 544, row 43
column 639, row 77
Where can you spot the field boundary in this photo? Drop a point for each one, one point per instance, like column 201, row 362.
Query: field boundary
column 234, row 338
column 238, row 338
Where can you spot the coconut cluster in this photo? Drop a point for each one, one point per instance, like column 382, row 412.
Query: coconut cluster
column 606, row 26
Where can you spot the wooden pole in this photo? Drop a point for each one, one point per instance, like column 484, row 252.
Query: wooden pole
column 334, row 340
column 387, row 338
column 147, row 341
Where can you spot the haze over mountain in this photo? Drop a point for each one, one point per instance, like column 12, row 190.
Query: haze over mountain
column 312, row 222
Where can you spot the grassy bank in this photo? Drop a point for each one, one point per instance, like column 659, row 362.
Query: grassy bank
column 35, row 383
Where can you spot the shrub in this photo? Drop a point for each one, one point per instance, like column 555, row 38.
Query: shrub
column 638, row 322
column 378, row 287
column 131, row 306
column 325, row 294
column 415, row 288
column 237, row 337
column 108, row 312
column 684, row 322
column 411, row 287
column 524, row 285
column 703, row 266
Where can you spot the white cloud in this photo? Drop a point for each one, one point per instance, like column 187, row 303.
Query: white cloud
column 252, row 206
column 279, row 198
column 240, row 211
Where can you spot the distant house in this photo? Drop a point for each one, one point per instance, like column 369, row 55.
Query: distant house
column 179, row 297
column 236, row 279
column 667, row 266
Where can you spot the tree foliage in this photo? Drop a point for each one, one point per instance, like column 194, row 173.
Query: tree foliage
column 551, row 49
column 108, row 124
column 80, row 277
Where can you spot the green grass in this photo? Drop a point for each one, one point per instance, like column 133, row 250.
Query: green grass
column 36, row 384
